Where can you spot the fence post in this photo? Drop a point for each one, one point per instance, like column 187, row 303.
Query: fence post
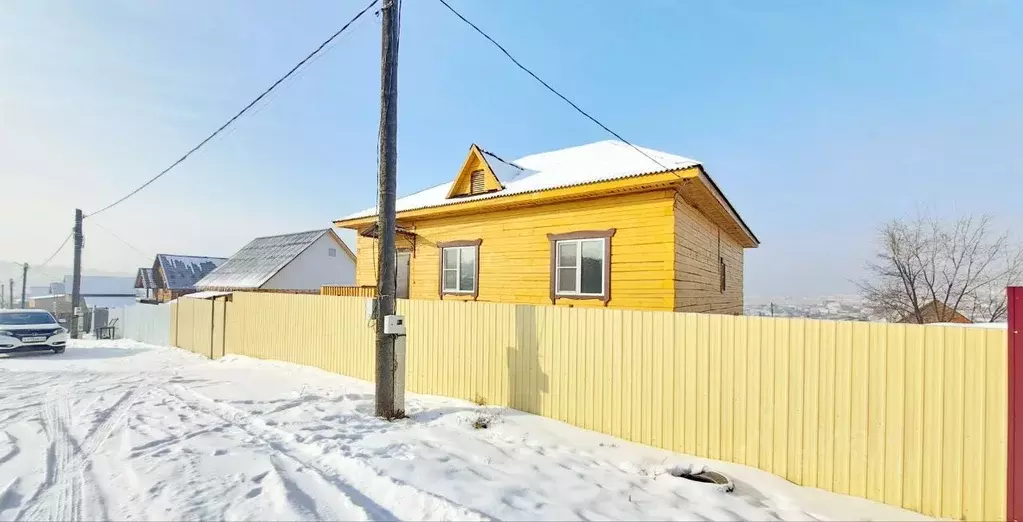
column 1014, row 498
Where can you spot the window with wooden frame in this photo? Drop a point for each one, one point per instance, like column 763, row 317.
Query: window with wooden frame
column 581, row 265
column 722, row 272
column 477, row 182
column 459, row 268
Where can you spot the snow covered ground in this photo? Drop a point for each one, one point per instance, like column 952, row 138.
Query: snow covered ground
column 126, row 431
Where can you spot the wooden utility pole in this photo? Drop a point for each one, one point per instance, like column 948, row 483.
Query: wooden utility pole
column 76, row 278
column 10, row 290
column 387, row 186
column 24, row 281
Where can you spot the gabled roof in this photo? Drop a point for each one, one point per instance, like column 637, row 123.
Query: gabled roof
column 182, row 272
column 591, row 164
column 489, row 165
column 600, row 161
column 262, row 258
column 144, row 279
column 936, row 312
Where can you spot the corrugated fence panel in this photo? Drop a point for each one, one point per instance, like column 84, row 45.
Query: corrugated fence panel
column 910, row 415
column 202, row 343
column 219, row 315
column 329, row 333
column 185, row 324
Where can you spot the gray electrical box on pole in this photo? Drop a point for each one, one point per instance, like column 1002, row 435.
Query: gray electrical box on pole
column 76, row 278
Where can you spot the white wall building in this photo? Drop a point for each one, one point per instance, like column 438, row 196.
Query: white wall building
column 301, row 261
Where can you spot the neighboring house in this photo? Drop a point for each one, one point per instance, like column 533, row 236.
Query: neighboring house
column 104, row 291
column 175, row 276
column 57, row 304
column 38, row 290
column 601, row 224
column 145, row 286
column 301, row 261
column 936, row 312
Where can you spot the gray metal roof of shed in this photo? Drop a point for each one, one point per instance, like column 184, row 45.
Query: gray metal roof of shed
column 261, row 259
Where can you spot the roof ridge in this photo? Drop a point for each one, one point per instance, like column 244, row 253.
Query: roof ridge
column 188, row 255
column 499, row 158
column 291, row 234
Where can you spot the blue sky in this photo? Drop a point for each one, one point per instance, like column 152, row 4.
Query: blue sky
column 819, row 120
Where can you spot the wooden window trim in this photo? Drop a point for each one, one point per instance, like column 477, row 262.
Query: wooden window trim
column 606, row 235
column 440, row 267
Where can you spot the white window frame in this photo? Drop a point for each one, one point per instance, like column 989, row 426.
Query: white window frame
column 458, row 269
column 579, row 267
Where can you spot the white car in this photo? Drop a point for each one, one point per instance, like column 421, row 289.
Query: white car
column 30, row 331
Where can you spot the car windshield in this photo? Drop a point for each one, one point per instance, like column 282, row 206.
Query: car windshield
column 23, row 318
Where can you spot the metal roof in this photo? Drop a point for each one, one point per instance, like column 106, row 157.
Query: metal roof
column 594, row 162
column 260, row 260
column 182, row 272
column 144, row 279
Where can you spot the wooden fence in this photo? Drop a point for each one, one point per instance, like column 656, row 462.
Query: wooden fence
column 914, row 416
column 349, row 291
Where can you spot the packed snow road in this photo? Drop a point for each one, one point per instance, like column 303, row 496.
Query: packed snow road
column 126, row 431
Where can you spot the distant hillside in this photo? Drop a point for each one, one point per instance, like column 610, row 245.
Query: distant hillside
column 53, row 273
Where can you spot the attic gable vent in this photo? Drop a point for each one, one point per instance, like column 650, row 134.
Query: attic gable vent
column 477, row 183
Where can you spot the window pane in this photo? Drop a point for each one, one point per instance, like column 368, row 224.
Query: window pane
column 450, row 257
column 593, row 267
column 567, row 254
column 467, row 270
column 566, row 279
column 450, row 280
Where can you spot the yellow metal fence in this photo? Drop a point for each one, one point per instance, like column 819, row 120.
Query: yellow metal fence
column 914, row 416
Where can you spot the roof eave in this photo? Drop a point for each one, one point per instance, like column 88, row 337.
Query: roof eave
column 728, row 207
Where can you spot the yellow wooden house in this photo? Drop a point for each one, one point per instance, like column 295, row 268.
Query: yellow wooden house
column 603, row 224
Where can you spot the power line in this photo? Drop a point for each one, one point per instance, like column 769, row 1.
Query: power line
column 549, row 88
column 55, row 252
column 101, row 227
column 241, row 112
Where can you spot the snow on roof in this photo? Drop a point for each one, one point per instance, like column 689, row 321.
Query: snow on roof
column 261, row 259
column 505, row 171
column 182, row 272
column 103, row 285
column 600, row 161
column 144, row 279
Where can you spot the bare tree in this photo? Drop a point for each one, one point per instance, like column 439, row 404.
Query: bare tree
column 928, row 270
column 989, row 303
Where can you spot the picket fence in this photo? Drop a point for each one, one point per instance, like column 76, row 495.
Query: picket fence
column 913, row 416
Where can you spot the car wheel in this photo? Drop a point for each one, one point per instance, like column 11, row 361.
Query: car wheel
column 58, row 350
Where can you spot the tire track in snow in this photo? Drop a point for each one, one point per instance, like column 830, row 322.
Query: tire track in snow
column 360, row 508
column 382, row 496
column 60, row 498
column 111, row 418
